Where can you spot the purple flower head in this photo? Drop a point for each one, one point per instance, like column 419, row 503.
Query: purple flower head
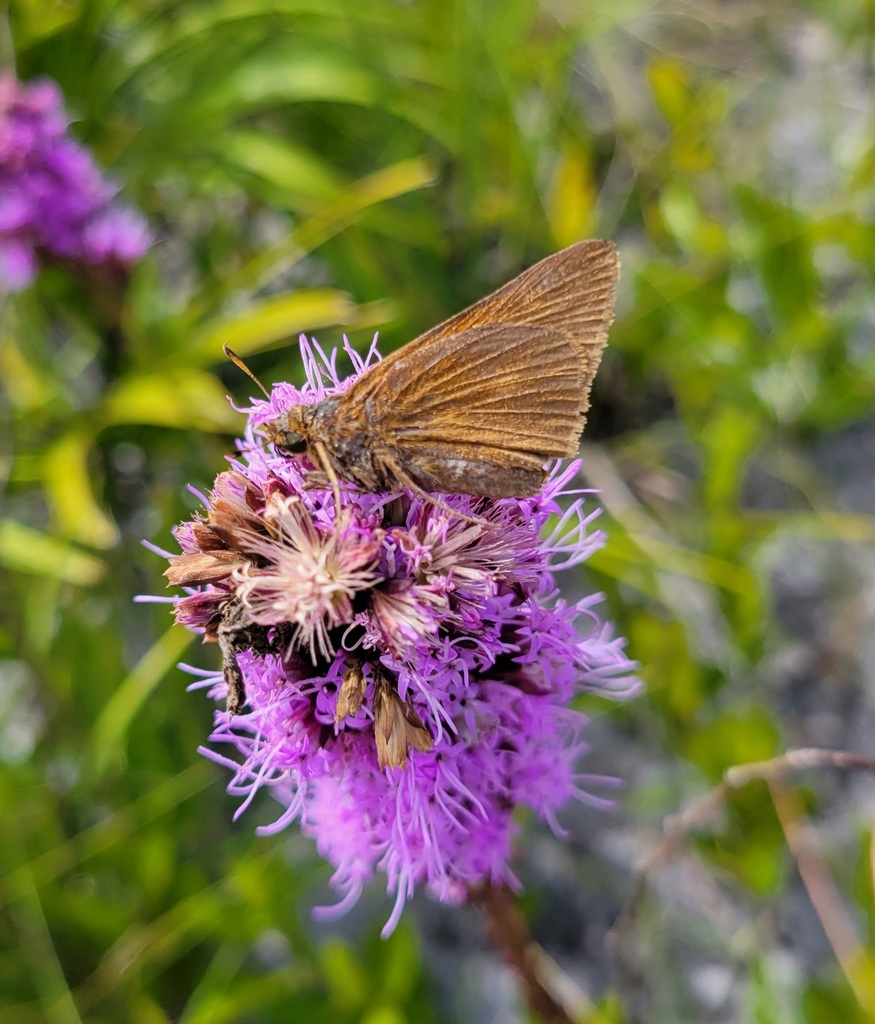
column 398, row 673
column 54, row 202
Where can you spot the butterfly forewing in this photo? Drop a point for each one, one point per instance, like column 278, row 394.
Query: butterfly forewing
column 571, row 292
column 481, row 402
column 509, row 388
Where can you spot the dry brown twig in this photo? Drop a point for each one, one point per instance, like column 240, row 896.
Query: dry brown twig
column 856, row 965
column 555, row 999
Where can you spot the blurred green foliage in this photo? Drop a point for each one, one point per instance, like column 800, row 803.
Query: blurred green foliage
column 329, row 166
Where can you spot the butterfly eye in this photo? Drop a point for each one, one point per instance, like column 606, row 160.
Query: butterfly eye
column 293, row 443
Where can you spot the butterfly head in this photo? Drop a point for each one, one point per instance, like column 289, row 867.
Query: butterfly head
column 288, row 433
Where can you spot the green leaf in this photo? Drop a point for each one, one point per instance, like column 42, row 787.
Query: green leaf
column 179, row 398
column 293, row 169
column 118, row 714
column 37, row 20
column 671, row 91
column 388, row 183
column 27, row 550
column 295, row 71
column 384, row 1015
column 274, row 320
column 734, row 737
column 571, row 205
column 67, row 483
column 349, row 984
column 400, row 965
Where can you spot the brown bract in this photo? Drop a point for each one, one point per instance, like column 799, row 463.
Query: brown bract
column 352, row 692
column 234, row 522
column 397, row 727
column 224, row 537
column 478, row 404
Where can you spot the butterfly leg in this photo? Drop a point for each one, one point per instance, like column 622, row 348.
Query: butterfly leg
column 403, row 477
column 328, row 469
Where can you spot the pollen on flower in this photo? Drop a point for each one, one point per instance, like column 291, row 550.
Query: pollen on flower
column 397, row 672
column 309, row 574
column 407, row 615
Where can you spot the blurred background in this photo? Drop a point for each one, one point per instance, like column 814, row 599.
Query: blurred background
column 361, row 165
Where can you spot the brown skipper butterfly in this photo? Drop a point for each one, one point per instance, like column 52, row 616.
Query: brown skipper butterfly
column 478, row 404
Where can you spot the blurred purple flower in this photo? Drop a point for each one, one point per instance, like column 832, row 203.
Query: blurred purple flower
column 54, row 203
column 406, row 671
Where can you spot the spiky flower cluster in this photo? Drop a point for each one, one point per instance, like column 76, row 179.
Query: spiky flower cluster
column 396, row 673
column 54, row 202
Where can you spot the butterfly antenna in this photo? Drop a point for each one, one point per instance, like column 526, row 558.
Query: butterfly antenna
column 238, row 362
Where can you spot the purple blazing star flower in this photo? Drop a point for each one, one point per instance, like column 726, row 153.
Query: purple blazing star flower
column 400, row 672
column 54, row 203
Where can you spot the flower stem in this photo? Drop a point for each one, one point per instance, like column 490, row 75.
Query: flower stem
column 551, row 995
